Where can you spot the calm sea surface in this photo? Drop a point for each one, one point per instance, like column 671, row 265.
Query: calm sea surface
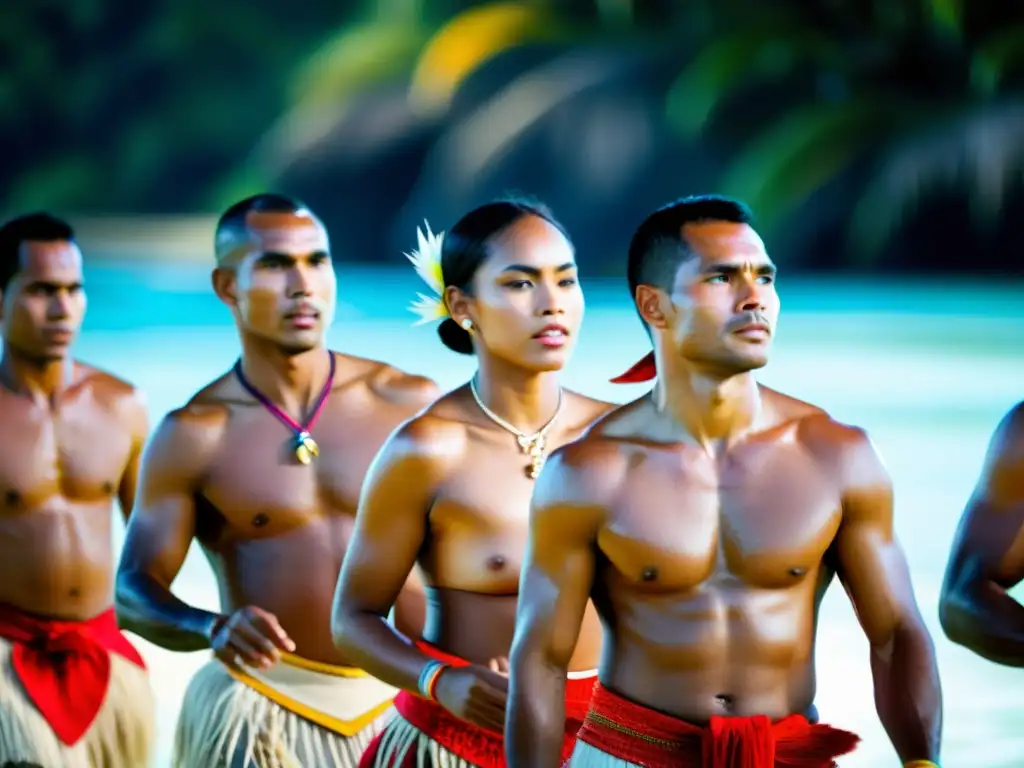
column 927, row 369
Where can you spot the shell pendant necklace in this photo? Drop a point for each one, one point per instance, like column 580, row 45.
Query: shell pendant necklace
column 303, row 444
column 536, row 445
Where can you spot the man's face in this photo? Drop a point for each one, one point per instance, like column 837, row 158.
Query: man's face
column 282, row 285
column 44, row 304
column 723, row 309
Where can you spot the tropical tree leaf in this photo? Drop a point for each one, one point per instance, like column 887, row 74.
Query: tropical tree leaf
column 995, row 58
column 807, row 147
column 767, row 51
column 947, row 15
column 469, row 40
column 482, row 136
column 354, row 60
column 63, row 182
column 977, row 152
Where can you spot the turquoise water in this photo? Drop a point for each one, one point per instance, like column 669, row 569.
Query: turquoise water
column 928, row 369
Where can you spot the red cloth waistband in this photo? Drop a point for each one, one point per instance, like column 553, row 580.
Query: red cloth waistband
column 644, row 370
column 64, row 666
column 632, row 732
column 472, row 743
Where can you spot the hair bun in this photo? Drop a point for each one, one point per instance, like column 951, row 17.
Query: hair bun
column 455, row 337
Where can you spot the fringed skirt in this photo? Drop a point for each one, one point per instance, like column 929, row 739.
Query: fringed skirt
column 121, row 736
column 424, row 735
column 299, row 714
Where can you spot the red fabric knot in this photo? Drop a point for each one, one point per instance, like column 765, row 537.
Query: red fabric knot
column 64, row 666
column 475, row 745
column 643, row 736
column 642, row 371
column 739, row 742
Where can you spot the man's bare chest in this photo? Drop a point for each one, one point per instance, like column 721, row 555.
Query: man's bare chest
column 78, row 454
column 763, row 523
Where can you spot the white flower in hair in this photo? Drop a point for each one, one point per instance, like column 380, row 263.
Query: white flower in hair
column 426, row 259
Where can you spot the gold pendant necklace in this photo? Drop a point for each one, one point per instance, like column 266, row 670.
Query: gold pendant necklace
column 535, row 446
column 303, row 444
column 306, row 448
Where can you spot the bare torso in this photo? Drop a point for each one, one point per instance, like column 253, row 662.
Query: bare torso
column 478, row 528
column 60, row 469
column 275, row 531
column 711, row 571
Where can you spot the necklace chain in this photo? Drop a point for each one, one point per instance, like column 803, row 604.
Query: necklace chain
column 535, row 445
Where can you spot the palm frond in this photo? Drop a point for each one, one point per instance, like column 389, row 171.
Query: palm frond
column 349, row 64
column 976, row 152
column 354, row 59
column 483, row 135
column 807, row 147
column 469, row 40
column 995, row 58
column 947, row 15
column 766, row 51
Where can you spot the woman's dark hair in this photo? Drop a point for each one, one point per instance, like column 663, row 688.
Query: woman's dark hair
column 467, row 245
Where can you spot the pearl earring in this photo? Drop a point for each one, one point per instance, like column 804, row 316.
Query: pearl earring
column 466, row 323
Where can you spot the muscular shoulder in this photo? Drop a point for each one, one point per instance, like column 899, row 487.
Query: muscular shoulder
column 791, row 408
column 826, row 438
column 1001, row 484
column 582, row 411
column 574, row 492
column 1007, row 442
column 589, row 470
column 107, row 387
column 423, row 450
column 387, row 382
column 209, row 406
column 189, row 434
column 847, row 452
column 123, row 399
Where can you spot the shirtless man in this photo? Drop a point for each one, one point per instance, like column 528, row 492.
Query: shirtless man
column 706, row 520
column 73, row 690
column 988, row 555
column 264, row 467
column 451, row 492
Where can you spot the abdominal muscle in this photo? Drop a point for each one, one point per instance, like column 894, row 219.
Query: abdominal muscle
column 479, row 627
column 58, row 560
column 741, row 654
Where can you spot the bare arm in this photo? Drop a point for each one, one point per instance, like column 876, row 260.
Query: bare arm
column 411, row 394
column 138, row 421
column 409, row 613
column 160, row 531
column 874, row 572
column 554, row 589
column 987, row 558
column 390, row 529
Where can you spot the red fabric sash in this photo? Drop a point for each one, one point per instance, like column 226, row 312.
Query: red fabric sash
column 644, row 370
column 632, row 732
column 64, row 666
column 473, row 744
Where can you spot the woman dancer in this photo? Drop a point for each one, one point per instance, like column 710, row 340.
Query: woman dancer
column 450, row 491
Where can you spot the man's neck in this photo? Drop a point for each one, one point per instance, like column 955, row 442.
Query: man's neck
column 714, row 409
column 525, row 399
column 291, row 381
column 42, row 380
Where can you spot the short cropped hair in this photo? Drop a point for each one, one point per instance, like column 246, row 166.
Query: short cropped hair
column 39, row 226
column 658, row 247
column 234, row 218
